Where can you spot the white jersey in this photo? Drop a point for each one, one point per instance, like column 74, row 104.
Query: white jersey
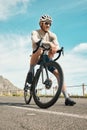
column 47, row 37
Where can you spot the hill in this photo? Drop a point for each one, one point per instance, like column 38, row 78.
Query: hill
column 6, row 85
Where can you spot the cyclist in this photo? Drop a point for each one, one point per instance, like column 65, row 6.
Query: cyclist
column 45, row 36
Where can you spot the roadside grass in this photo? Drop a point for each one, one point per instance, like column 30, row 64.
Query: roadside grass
column 16, row 94
column 21, row 94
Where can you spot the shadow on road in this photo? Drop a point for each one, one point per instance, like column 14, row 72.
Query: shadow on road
column 32, row 105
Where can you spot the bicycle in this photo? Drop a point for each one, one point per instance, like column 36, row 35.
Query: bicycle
column 46, row 85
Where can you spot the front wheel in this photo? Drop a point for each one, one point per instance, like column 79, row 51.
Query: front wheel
column 48, row 83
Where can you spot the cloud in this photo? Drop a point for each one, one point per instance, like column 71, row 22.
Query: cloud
column 13, row 45
column 74, row 64
column 14, row 56
column 80, row 48
column 14, row 41
column 12, row 7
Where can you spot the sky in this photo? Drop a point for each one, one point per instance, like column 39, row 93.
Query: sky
column 18, row 18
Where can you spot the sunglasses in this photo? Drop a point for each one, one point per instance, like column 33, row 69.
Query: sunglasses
column 46, row 23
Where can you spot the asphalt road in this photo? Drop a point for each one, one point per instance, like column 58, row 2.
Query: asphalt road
column 16, row 115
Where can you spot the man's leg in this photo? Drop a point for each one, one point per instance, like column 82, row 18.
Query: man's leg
column 34, row 59
column 68, row 101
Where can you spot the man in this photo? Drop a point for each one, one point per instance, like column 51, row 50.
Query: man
column 45, row 36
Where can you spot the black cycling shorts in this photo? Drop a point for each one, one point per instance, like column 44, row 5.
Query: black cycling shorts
column 47, row 59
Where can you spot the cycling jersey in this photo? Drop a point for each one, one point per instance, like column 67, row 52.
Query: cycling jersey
column 46, row 37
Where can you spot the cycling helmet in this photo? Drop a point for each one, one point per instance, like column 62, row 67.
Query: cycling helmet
column 45, row 18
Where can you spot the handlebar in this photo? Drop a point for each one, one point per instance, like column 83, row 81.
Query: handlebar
column 42, row 45
column 61, row 51
column 47, row 47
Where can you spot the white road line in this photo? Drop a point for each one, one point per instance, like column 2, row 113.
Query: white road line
column 52, row 112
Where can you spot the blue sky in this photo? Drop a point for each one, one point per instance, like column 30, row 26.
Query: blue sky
column 17, row 20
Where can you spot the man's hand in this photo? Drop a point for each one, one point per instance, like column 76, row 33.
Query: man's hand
column 53, row 50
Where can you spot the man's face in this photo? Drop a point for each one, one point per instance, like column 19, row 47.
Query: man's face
column 46, row 26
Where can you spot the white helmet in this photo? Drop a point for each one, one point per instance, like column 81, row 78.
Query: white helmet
column 45, row 18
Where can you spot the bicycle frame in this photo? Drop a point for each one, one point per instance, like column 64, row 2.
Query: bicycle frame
column 40, row 69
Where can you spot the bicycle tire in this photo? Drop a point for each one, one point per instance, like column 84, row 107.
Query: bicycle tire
column 60, row 84
column 27, row 93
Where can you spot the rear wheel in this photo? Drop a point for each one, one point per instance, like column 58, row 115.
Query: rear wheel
column 48, row 88
column 27, row 93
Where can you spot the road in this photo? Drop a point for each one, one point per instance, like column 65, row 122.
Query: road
column 16, row 115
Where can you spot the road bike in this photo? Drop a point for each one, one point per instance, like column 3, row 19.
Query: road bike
column 47, row 80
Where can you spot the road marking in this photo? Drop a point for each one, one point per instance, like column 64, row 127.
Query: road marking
column 31, row 114
column 52, row 112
